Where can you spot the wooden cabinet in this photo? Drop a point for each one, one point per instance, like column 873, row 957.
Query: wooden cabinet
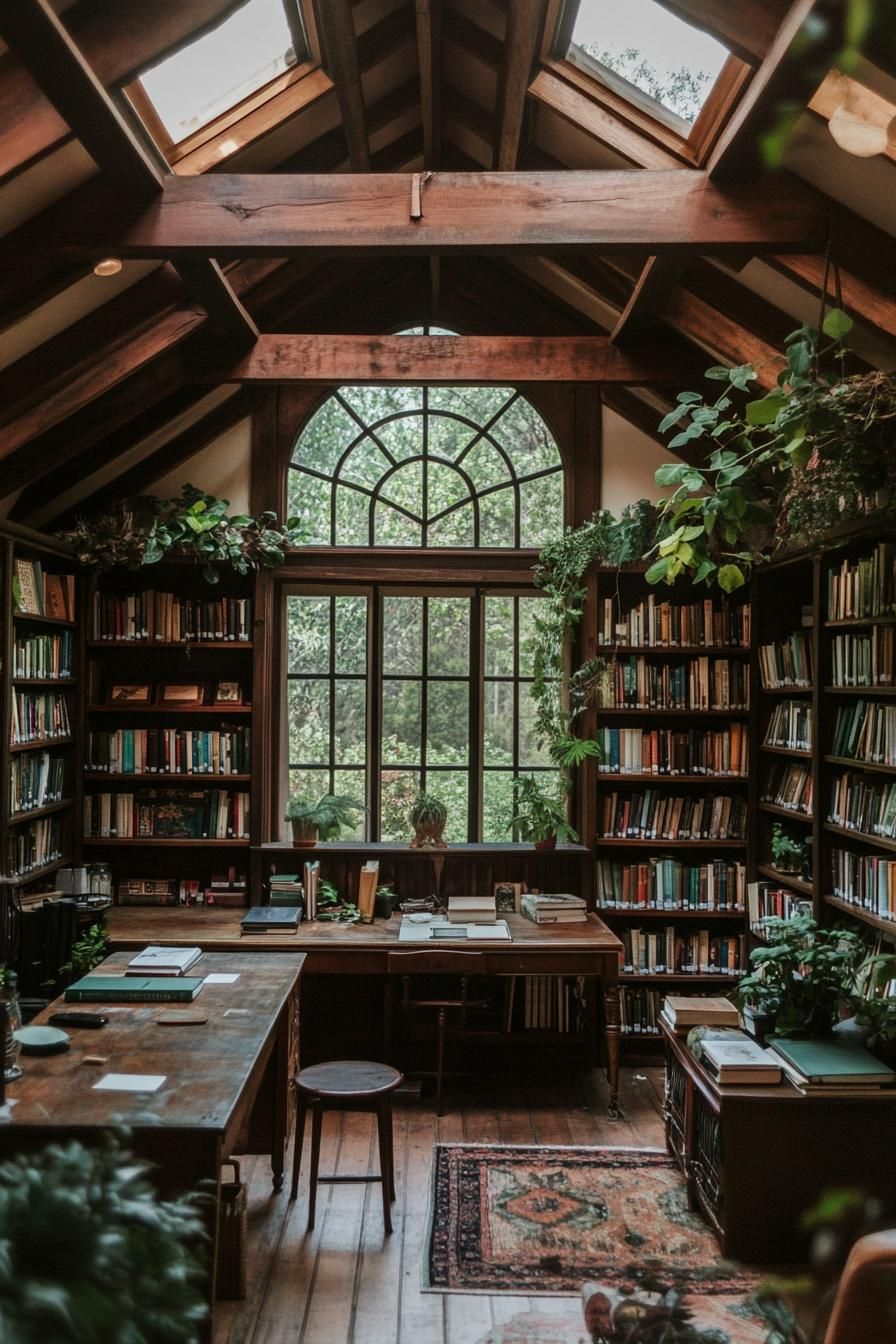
column 756, row 1158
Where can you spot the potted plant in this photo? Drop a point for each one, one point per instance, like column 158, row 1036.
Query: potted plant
column 787, row 853
column 539, row 816
column 428, row 817
column 322, row 820
column 91, row 1253
column 875, row 1005
column 802, row 975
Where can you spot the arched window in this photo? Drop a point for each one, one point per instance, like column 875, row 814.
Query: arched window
column 427, row 466
column 391, row 690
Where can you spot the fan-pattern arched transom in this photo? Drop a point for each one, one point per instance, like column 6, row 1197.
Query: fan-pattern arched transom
column 427, row 466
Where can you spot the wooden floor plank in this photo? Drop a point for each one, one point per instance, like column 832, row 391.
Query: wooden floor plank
column 377, row 1295
column 421, row 1317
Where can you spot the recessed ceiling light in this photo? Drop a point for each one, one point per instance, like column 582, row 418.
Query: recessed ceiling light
column 108, row 266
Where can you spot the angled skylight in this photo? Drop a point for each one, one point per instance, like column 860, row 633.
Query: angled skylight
column 221, row 68
column 645, row 45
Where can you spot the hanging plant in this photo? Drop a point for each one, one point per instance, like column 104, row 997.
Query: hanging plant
column 146, row 530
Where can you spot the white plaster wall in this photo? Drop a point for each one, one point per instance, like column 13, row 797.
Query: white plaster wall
column 222, row 468
column 629, row 460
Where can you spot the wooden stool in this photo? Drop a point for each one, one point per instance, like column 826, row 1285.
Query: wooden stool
column 345, row 1085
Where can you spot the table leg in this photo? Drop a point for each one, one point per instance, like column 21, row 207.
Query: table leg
column 613, row 1017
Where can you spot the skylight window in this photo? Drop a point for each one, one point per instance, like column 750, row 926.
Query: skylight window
column 221, row 68
column 640, row 43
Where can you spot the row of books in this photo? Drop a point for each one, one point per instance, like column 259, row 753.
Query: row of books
column 864, row 660
column 170, row 751
column 223, row 888
column 639, row 1010
column 40, row 593
column 655, row 815
column 866, row 731
column 44, row 655
column 675, row 951
column 667, row 884
column 700, row 683
column 549, row 1003
column 765, row 899
column 151, row 615
column 213, row 814
column 790, row 725
column 36, row 779
column 864, row 805
column 865, row 880
column 788, row 662
column 37, row 716
column 32, row 846
column 789, row 785
column 663, row 751
column 670, row 624
column 864, row 587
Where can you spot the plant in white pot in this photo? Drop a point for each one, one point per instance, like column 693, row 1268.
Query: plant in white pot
column 323, row 820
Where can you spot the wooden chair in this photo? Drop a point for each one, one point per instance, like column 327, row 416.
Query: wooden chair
column 345, row 1085
column 456, row 962
column 863, row 1308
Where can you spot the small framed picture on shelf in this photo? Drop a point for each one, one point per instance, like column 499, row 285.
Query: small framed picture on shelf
column 508, row 897
column 129, row 695
column 182, row 693
column 228, row 693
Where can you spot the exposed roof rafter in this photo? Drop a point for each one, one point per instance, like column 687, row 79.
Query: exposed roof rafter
column 525, row 24
column 337, row 30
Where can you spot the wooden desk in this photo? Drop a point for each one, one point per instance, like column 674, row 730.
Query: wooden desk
column 589, row 949
column 227, row 1083
column 756, row 1158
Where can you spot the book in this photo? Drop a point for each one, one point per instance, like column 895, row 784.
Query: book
column 119, row 989
column 835, row 1063
column 163, row 960
column 271, row 919
column 472, row 910
column 740, row 1061
column 685, row 1011
column 367, row 885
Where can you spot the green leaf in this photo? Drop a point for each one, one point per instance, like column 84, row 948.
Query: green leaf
column 765, row 411
column 670, row 473
column 657, row 571
column 672, row 418
column 694, row 480
column 731, row 577
column 743, row 376
column 728, row 475
column 685, row 398
column 692, row 533
column 718, row 373
column 704, row 569
column 837, row 324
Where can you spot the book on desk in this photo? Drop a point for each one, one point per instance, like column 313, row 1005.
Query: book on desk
column 124, row 989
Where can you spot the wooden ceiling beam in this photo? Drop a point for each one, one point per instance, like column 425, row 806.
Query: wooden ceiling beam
column 861, row 300
column 428, row 22
column 337, row 31
column 232, row 215
column 747, row 29
column 647, row 303
column 736, row 154
column 433, row 360
column 588, row 112
column 118, row 41
column 525, row 25
column 33, row 31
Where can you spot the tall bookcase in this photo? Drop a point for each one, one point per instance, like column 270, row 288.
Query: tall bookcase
column 852, row 861
column 40, row 691
column 670, row 705
column 167, row 729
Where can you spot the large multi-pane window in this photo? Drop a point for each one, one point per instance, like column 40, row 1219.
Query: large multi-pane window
column 392, row 691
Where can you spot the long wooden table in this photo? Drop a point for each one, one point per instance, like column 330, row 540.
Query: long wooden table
column 227, row 1082
column 588, row 949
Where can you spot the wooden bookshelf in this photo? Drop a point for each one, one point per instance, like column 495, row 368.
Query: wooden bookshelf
column 617, row 599
column 40, row 572
column 155, row 662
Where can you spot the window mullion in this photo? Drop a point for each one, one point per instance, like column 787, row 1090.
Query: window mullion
column 476, row 752
column 375, row 709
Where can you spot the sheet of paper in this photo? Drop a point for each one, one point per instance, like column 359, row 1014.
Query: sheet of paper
column 236, row 1012
column 130, row 1082
column 220, row 979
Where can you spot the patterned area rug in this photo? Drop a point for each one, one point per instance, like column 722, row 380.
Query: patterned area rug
column 543, row 1221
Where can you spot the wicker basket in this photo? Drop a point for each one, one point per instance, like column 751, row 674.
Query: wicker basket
column 233, row 1225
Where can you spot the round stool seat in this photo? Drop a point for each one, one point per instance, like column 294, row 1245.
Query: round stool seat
column 341, row 1079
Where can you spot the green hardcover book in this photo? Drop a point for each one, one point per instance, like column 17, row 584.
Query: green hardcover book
column 118, row 989
column 833, row 1062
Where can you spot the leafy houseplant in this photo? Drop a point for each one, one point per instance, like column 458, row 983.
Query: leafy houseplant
column 787, row 853
column 89, row 1253
column 322, row 820
column 428, row 817
column 90, row 949
column 144, row 531
column 802, row 975
column 539, row 817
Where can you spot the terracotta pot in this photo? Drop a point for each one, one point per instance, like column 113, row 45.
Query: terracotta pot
column 549, row 842
column 304, row 834
column 429, row 835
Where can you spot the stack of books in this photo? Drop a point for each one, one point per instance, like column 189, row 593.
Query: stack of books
column 286, row 889
column 681, row 1012
column 732, row 1057
column 832, row 1068
column 271, row 919
column 472, row 910
column 557, row 909
column 163, row 961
